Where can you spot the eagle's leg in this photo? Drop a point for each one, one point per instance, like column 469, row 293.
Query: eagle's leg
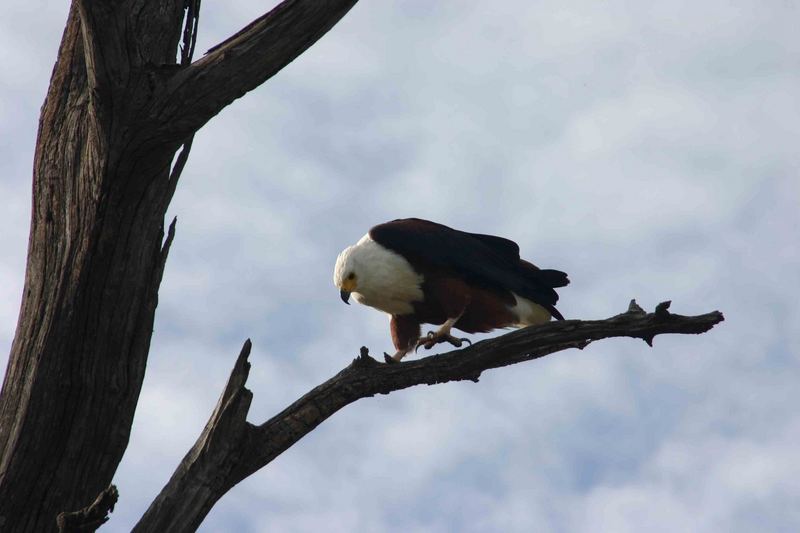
column 442, row 335
column 398, row 355
column 405, row 334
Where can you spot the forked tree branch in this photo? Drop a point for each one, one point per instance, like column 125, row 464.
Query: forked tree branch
column 101, row 187
column 230, row 448
column 243, row 62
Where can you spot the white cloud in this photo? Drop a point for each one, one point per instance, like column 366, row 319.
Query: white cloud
column 649, row 150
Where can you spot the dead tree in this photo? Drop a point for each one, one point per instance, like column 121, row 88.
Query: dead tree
column 124, row 99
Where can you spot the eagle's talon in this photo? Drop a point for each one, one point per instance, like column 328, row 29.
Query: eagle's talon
column 455, row 341
column 389, row 359
column 434, row 338
column 423, row 342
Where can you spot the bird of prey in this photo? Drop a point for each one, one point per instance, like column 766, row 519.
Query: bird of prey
column 421, row 272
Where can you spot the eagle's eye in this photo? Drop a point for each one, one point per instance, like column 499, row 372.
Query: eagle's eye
column 352, row 275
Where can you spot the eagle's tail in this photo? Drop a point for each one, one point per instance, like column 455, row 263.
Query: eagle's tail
column 543, row 283
column 546, row 277
column 552, row 278
column 554, row 312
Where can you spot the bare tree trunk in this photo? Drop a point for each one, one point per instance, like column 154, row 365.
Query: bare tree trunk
column 117, row 110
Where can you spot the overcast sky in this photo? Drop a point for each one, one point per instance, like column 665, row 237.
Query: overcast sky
column 647, row 149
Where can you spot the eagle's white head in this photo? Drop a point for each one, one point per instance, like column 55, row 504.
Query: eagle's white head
column 377, row 277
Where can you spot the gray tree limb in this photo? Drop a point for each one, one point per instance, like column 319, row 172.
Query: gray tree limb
column 230, row 448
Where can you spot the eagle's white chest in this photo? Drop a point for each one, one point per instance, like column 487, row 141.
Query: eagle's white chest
column 388, row 281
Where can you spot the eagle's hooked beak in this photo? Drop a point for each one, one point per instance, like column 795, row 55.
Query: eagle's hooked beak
column 348, row 286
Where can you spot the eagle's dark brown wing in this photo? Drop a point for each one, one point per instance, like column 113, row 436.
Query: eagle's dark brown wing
column 482, row 260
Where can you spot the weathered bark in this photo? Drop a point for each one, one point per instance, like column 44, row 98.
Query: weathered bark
column 91, row 517
column 230, row 448
column 118, row 108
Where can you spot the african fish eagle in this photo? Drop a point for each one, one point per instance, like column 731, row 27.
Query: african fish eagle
column 421, row 272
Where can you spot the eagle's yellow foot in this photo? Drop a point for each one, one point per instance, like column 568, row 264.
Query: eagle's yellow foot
column 434, row 338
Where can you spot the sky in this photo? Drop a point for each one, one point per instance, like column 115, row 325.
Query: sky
column 647, row 149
